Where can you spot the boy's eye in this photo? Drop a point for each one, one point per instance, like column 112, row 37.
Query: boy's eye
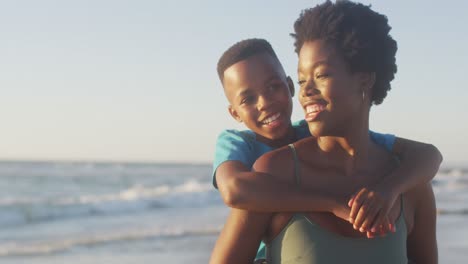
column 247, row 100
column 301, row 82
column 274, row 87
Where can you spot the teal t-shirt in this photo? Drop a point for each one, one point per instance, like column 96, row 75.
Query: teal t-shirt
column 242, row 146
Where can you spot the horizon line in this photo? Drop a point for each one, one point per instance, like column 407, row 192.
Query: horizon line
column 103, row 161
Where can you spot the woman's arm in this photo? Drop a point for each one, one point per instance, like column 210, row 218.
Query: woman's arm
column 240, row 237
column 419, row 164
column 422, row 243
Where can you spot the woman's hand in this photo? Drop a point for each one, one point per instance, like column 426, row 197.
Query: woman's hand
column 370, row 209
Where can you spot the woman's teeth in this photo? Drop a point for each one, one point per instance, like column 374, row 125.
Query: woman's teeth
column 314, row 108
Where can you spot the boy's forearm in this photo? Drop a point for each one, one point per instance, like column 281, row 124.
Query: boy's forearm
column 419, row 164
column 240, row 237
column 263, row 193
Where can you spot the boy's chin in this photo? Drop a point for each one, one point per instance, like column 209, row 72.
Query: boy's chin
column 277, row 135
column 273, row 136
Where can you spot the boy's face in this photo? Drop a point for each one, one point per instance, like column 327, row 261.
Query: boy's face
column 260, row 94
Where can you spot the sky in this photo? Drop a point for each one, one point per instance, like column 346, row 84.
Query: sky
column 135, row 80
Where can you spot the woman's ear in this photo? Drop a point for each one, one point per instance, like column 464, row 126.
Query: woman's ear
column 367, row 80
column 290, row 86
column 234, row 114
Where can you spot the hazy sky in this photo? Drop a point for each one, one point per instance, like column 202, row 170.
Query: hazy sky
column 135, row 80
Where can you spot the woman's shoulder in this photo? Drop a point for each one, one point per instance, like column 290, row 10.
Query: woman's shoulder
column 274, row 160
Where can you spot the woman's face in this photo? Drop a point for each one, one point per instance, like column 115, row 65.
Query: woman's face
column 331, row 96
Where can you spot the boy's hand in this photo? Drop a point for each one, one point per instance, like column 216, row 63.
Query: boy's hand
column 369, row 211
column 342, row 211
column 381, row 230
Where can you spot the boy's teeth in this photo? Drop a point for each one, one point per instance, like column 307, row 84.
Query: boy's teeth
column 271, row 118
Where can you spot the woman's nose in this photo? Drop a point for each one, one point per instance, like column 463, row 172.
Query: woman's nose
column 309, row 89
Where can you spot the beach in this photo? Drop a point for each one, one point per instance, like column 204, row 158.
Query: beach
column 87, row 212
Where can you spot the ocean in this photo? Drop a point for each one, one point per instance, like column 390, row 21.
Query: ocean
column 86, row 212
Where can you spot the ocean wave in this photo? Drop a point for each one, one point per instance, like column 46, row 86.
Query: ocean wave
column 446, row 211
column 192, row 193
column 134, row 193
column 47, row 247
column 65, row 169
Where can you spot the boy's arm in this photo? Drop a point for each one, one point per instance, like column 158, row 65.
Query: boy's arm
column 261, row 192
column 419, row 164
column 240, row 237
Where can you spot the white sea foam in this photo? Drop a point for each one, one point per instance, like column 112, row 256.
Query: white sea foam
column 14, row 211
column 134, row 193
column 51, row 246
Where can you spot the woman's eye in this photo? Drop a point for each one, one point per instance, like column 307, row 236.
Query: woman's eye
column 321, row 75
column 301, row 82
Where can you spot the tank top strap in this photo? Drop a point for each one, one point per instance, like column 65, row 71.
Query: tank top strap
column 402, row 208
column 297, row 175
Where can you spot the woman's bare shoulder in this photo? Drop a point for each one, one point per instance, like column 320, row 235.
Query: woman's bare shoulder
column 281, row 160
column 271, row 161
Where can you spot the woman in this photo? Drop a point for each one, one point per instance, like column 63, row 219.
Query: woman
column 346, row 63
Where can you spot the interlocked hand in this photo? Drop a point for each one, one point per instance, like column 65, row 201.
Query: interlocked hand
column 369, row 211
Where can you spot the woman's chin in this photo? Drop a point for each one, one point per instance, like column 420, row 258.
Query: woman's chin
column 316, row 130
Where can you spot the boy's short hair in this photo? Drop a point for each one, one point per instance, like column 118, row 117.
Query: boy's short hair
column 241, row 51
column 360, row 35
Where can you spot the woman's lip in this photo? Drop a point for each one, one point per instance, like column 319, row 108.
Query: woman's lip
column 314, row 107
column 309, row 117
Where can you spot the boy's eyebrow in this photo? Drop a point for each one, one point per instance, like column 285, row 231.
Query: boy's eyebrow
column 244, row 92
column 273, row 78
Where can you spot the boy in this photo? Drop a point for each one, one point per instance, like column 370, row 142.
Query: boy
column 260, row 95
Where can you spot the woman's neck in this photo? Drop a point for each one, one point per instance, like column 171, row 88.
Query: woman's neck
column 350, row 149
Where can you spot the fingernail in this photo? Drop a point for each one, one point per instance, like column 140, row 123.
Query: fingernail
column 355, row 227
column 361, row 229
column 373, row 230
column 351, row 220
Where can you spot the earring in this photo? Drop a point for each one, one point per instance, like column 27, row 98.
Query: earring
column 363, row 96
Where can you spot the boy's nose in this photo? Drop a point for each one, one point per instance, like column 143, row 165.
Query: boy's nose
column 264, row 102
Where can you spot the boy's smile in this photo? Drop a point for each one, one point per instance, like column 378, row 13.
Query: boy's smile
column 272, row 121
column 260, row 96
